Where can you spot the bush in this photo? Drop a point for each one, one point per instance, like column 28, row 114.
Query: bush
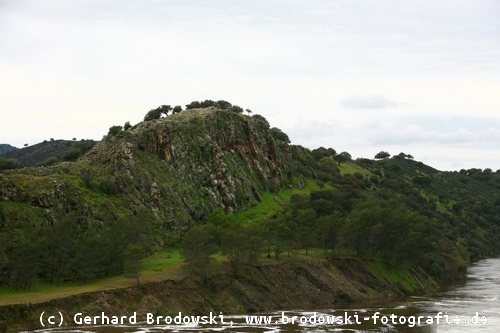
column 279, row 135
column 108, row 187
column 382, row 155
column 72, row 154
column 50, row 160
column 115, row 130
column 8, row 163
column 237, row 109
column 263, row 120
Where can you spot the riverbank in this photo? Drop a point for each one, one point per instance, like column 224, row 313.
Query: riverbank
column 297, row 283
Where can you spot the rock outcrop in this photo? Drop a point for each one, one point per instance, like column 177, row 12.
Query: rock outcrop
column 177, row 168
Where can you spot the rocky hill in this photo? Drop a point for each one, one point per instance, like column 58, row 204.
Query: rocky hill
column 164, row 173
column 176, row 169
column 154, row 184
column 5, row 148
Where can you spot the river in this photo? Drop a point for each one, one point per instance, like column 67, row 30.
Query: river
column 471, row 307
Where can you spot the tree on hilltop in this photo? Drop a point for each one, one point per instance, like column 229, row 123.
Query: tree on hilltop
column 236, row 108
column 343, row 157
column 165, row 109
column 158, row 112
column 221, row 104
column 279, row 135
column 381, row 155
column 403, row 155
column 193, row 105
column 176, row 109
column 152, row 115
column 322, row 152
column 114, row 130
column 262, row 120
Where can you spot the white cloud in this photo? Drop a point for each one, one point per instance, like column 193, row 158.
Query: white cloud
column 373, row 101
column 412, row 134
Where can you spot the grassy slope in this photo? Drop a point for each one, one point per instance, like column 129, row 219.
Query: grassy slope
column 273, row 203
column 351, row 168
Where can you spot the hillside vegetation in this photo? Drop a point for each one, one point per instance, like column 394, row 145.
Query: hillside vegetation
column 213, row 180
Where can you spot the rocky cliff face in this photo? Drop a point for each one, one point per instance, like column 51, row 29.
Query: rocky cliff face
column 177, row 169
column 228, row 158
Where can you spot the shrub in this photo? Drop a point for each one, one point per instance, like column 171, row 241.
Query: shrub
column 8, row 163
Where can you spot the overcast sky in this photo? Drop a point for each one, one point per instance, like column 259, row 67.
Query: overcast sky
column 420, row 77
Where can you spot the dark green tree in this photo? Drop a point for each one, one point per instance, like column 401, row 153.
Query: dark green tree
column 193, row 105
column 73, row 153
column 322, row 152
column 158, row 112
column 234, row 243
column 115, row 130
column 153, row 114
column 24, row 262
column 8, row 163
column 328, row 229
column 132, row 255
column 236, row 108
column 176, row 109
column 165, row 109
column 242, row 245
column 261, row 120
column 224, row 105
column 93, row 257
column 381, row 155
column 343, row 157
column 279, row 135
column 59, row 247
column 197, row 247
column 305, row 220
column 221, row 222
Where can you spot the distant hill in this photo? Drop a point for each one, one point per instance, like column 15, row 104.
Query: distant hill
column 5, row 148
column 48, row 152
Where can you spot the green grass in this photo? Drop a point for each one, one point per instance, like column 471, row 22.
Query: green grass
column 161, row 260
column 440, row 207
column 351, row 168
column 402, row 275
column 273, row 203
